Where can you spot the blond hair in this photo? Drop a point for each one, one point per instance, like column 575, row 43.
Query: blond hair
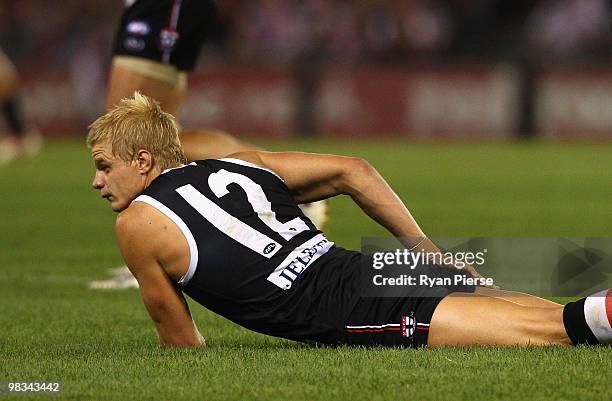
column 139, row 123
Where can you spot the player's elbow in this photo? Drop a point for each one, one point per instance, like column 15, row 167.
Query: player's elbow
column 361, row 166
column 356, row 172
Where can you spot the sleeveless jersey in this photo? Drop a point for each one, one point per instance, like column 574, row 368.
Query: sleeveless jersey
column 255, row 258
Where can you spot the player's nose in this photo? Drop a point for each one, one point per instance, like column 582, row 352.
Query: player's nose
column 98, row 182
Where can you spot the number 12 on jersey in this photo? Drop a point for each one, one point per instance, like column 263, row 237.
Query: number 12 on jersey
column 232, row 226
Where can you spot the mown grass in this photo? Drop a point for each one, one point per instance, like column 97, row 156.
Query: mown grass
column 56, row 235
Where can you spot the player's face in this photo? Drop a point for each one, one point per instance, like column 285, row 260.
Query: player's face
column 119, row 182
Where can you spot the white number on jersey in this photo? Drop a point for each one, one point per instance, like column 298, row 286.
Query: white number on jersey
column 218, row 183
column 233, row 227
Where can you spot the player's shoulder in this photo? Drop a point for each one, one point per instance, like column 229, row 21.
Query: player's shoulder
column 137, row 221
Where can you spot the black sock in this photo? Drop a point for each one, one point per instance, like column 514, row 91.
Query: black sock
column 12, row 112
column 589, row 321
column 575, row 324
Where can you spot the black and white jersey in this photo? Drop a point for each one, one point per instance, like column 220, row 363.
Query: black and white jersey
column 255, row 258
column 165, row 31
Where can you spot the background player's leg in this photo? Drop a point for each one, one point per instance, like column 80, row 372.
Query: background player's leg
column 518, row 298
column 211, row 144
column 470, row 319
column 130, row 74
column 124, row 81
column 23, row 138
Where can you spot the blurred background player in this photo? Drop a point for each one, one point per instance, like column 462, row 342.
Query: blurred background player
column 156, row 45
column 23, row 139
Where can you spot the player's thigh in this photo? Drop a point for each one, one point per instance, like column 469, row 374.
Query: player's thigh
column 124, row 81
column 517, row 297
column 470, row 319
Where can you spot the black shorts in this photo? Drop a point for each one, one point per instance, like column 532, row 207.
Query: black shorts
column 394, row 322
column 167, row 31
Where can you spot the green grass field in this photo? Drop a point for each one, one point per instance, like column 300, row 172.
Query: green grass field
column 56, row 235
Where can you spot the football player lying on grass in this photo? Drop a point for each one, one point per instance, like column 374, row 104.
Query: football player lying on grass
column 229, row 234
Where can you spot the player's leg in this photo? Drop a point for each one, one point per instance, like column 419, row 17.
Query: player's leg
column 211, row 144
column 471, row 319
column 517, row 297
column 162, row 82
column 156, row 44
column 23, row 139
column 166, row 84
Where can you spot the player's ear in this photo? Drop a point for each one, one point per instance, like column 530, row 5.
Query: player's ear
column 144, row 160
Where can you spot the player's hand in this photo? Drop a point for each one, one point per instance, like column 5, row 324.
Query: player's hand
column 474, row 273
column 454, row 265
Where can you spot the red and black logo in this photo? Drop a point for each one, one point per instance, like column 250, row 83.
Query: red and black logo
column 167, row 39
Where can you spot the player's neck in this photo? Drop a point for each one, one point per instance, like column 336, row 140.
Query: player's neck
column 151, row 175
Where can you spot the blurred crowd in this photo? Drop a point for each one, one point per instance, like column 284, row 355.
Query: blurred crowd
column 75, row 34
column 70, row 41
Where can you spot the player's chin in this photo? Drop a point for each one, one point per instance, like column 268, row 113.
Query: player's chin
column 118, row 206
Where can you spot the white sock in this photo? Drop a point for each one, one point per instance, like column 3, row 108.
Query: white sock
column 598, row 315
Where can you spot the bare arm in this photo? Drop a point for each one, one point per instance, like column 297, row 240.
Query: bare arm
column 312, row 177
column 166, row 305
